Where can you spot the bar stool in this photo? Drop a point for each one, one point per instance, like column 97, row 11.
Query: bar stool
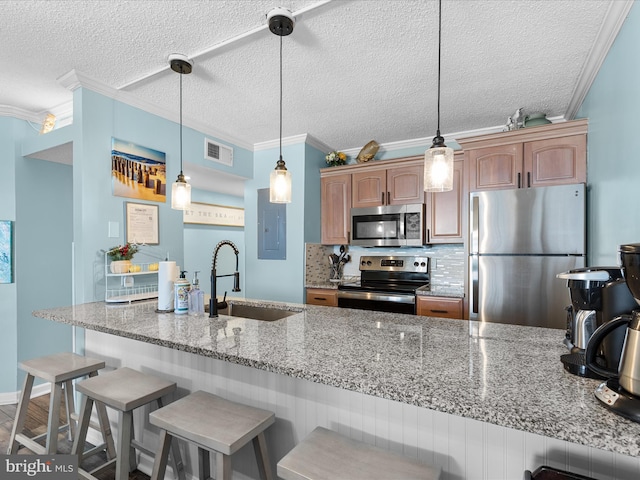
column 214, row 425
column 123, row 390
column 60, row 370
column 324, row 454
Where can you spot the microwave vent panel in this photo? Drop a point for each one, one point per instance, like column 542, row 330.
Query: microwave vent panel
column 217, row 152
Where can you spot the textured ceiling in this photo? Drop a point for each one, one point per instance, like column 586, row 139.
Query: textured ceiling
column 353, row 70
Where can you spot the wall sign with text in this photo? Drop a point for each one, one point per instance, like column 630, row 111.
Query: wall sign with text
column 209, row 214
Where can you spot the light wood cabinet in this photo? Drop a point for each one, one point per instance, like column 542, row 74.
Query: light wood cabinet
column 445, row 210
column 444, row 307
column 393, row 185
column 335, row 208
column 322, row 296
column 538, row 156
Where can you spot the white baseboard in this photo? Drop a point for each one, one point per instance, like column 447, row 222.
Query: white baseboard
column 11, row 398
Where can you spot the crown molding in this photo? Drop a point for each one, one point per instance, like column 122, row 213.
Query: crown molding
column 293, row 140
column 21, row 114
column 613, row 21
column 75, row 79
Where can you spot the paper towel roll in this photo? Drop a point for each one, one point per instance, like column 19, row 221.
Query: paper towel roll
column 167, row 273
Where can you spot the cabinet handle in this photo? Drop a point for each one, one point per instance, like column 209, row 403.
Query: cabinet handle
column 528, row 179
column 388, row 198
column 519, row 183
column 439, row 311
column 428, row 234
column 320, row 298
column 382, row 200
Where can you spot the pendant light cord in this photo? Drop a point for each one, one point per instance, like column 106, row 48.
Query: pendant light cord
column 280, row 97
column 180, row 122
column 439, row 52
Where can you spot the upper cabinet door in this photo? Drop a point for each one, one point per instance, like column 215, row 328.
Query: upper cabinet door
column 405, row 185
column 498, row 167
column 369, row 188
column 335, row 209
column 445, row 210
column 555, row 161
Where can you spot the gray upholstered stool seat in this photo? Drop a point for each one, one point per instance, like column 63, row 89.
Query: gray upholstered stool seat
column 215, row 425
column 60, row 370
column 324, row 454
column 124, row 390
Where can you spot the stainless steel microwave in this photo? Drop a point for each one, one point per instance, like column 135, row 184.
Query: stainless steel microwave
column 388, row 226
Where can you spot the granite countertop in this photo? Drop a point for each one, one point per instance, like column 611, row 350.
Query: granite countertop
column 506, row 375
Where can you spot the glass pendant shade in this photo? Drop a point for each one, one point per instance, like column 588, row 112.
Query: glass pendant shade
column 280, row 184
column 180, row 194
column 438, row 169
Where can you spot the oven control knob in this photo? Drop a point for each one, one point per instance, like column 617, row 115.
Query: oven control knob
column 369, row 263
column 423, row 264
column 415, row 264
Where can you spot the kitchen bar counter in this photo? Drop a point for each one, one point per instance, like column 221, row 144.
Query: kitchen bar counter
column 504, row 375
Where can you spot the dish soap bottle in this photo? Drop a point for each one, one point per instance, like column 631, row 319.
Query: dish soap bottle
column 181, row 288
column 196, row 298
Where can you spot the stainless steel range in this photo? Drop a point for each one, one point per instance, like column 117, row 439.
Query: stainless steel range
column 387, row 283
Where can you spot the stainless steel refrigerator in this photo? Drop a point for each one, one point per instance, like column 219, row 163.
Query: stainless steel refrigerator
column 520, row 239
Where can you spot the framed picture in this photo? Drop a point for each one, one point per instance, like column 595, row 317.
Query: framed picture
column 6, row 251
column 210, row 214
column 138, row 172
column 141, row 223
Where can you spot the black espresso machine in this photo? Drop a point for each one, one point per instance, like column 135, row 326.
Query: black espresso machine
column 598, row 294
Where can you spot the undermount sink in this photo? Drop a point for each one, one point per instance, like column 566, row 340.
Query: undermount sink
column 267, row 314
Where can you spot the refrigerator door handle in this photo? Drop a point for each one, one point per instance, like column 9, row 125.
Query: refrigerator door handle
column 475, row 224
column 474, row 293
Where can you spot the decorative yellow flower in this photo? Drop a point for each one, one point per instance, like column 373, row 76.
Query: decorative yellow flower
column 336, row 158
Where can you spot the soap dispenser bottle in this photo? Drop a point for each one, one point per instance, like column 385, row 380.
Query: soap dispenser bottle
column 181, row 288
column 196, row 298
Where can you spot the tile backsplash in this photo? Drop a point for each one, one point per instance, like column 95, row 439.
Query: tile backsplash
column 447, row 262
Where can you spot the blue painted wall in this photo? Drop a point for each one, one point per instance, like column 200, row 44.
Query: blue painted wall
column 283, row 280
column 200, row 241
column 44, row 235
column 612, row 107
column 10, row 135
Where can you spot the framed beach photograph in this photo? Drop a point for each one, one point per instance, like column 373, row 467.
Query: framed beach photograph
column 138, row 172
column 6, row 251
column 141, row 223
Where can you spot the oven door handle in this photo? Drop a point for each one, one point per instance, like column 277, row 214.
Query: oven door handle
column 381, row 297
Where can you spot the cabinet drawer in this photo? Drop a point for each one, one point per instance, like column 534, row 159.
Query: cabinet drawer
column 319, row 296
column 439, row 307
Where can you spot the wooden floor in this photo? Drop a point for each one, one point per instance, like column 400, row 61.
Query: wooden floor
column 36, row 424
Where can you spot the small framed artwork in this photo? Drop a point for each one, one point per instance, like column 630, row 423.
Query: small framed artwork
column 6, row 251
column 210, row 214
column 141, row 223
column 138, row 172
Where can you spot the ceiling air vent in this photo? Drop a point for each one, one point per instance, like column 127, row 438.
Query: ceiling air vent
column 218, row 152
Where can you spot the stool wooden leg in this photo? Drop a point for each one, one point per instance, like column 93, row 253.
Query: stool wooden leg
column 69, row 409
column 176, row 457
column 162, row 455
column 54, row 418
column 126, row 453
column 204, row 464
column 21, row 414
column 105, row 429
column 262, row 457
column 83, row 425
column 223, row 466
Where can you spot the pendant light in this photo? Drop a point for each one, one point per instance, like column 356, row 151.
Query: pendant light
column 280, row 23
column 438, row 160
column 180, row 190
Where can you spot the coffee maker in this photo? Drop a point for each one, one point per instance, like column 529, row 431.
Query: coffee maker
column 621, row 393
column 598, row 294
